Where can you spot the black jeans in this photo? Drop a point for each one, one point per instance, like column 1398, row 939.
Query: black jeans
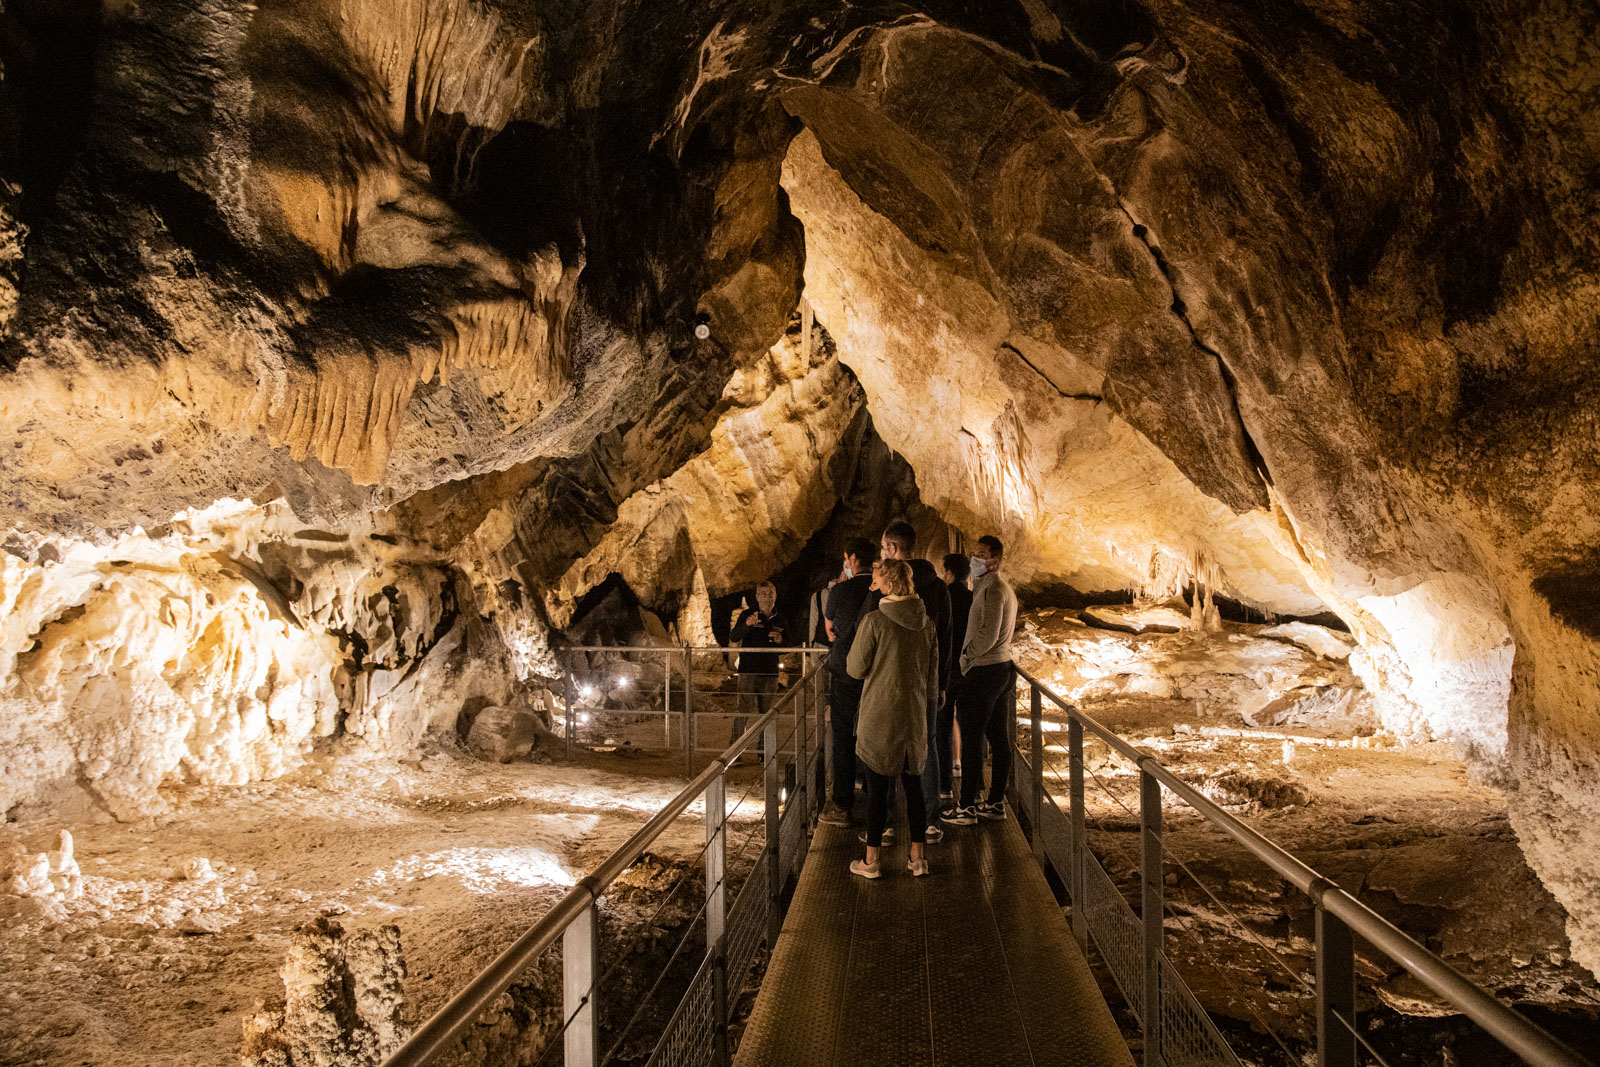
column 879, row 788
column 987, row 708
column 844, row 699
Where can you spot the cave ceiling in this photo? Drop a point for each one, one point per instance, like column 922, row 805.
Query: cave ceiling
column 1300, row 298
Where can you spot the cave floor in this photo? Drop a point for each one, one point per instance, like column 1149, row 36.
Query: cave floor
column 460, row 854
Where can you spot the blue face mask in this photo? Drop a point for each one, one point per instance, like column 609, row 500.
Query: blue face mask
column 980, row 566
column 848, row 573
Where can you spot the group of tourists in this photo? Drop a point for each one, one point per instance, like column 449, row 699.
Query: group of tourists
column 919, row 665
column 914, row 656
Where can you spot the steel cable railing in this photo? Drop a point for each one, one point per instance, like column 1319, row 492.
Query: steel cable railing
column 1338, row 915
column 1217, row 968
column 574, row 918
column 588, row 689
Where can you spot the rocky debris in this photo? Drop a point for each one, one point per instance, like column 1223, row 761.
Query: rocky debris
column 197, row 869
column 1138, row 618
column 42, row 881
column 1329, row 644
column 1240, row 787
column 196, row 922
column 503, row 734
column 341, row 1005
column 1326, row 708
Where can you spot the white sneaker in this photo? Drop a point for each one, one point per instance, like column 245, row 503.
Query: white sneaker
column 888, row 835
column 933, row 834
column 918, row 867
column 865, row 869
column 995, row 811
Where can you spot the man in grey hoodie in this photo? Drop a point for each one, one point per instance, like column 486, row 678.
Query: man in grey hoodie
column 986, row 702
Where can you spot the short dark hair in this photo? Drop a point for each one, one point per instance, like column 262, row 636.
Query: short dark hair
column 996, row 549
column 959, row 566
column 901, row 534
column 862, row 549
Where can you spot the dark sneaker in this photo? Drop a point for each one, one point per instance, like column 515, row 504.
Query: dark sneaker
column 996, row 811
column 834, row 815
column 960, row 816
column 888, row 835
column 933, row 834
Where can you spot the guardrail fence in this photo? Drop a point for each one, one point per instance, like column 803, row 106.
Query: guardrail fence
column 609, row 690
column 1177, row 1031
column 733, row 924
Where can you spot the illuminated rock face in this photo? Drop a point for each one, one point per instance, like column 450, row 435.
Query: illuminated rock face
column 1300, row 304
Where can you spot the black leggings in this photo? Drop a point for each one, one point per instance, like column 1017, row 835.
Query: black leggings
column 880, row 787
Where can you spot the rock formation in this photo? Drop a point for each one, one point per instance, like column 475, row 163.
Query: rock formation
column 346, row 344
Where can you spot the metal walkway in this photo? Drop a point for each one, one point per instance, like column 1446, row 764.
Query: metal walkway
column 972, row 964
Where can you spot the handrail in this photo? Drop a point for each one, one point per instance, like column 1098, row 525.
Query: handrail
column 821, row 650
column 446, row 1024
column 1512, row 1029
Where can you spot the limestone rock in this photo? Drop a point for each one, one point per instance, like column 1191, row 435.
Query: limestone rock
column 1329, row 644
column 1138, row 618
column 341, row 1004
column 503, row 734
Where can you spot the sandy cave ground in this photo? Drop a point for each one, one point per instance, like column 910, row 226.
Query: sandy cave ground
column 462, row 855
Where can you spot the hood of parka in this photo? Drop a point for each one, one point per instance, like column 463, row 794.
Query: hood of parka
column 908, row 614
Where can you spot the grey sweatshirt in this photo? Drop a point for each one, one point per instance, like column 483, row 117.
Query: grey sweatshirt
column 990, row 623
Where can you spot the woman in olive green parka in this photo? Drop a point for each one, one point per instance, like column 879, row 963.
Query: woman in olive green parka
column 895, row 655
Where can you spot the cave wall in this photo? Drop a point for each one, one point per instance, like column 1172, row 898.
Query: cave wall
column 1303, row 298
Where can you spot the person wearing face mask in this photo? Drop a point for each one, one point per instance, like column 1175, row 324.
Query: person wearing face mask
column 757, row 628
column 844, row 692
column 895, row 654
column 986, row 702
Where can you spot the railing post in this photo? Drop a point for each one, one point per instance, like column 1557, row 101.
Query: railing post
column 666, row 703
column 801, row 801
column 688, row 711
column 773, row 767
column 819, row 792
column 1036, row 719
column 579, row 970
column 1080, row 835
column 717, row 913
column 1151, row 910
column 572, row 715
column 1336, row 992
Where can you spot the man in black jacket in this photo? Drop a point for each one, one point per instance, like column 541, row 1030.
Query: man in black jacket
column 759, row 627
column 957, row 569
column 844, row 692
column 898, row 542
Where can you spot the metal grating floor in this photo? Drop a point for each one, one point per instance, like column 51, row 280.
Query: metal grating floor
column 971, row 965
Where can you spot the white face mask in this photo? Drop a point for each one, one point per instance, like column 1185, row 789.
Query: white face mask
column 848, row 573
column 980, row 566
